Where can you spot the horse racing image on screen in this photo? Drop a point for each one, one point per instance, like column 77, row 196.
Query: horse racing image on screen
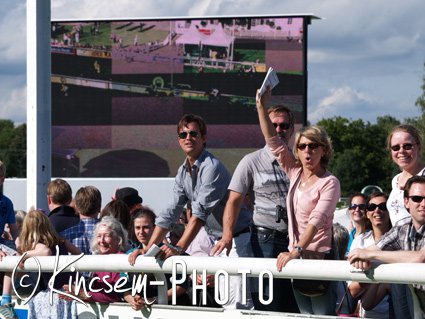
column 119, row 89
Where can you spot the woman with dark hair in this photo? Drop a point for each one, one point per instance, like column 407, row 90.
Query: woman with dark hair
column 311, row 202
column 357, row 211
column 374, row 297
column 141, row 228
column 118, row 209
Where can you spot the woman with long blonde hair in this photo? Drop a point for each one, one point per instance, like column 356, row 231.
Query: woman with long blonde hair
column 39, row 238
column 311, row 202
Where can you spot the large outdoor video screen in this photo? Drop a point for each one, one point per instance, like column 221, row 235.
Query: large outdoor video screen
column 119, row 89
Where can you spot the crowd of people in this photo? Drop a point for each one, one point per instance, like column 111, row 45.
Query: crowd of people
column 279, row 203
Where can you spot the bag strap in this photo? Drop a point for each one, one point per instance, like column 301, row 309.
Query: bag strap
column 291, row 205
column 350, row 306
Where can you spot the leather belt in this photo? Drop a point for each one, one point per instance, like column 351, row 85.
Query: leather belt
column 243, row 231
column 267, row 231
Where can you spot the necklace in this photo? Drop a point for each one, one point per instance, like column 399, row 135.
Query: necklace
column 304, row 180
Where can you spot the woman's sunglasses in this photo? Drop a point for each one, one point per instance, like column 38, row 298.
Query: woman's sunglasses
column 381, row 206
column 311, row 146
column 406, row 147
column 183, row 135
column 360, row 206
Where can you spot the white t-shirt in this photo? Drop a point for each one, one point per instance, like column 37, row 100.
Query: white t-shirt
column 365, row 240
column 395, row 203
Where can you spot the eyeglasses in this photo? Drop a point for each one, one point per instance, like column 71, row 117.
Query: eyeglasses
column 311, row 146
column 282, row 126
column 417, row 198
column 183, row 135
column 406, row 147
column 381, row 206
column 360, row 206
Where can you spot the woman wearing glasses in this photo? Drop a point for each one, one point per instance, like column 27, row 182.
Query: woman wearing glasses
column 357, row 211
column 374, row 298
column 312, row 198
column 405, row 144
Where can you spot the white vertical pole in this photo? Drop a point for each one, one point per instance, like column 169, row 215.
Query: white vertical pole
column 38, row 102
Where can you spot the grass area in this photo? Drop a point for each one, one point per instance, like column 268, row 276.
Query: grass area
column 149, row 35
column 248, row 55
column 103, row 38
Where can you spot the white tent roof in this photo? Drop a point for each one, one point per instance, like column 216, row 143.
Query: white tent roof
column 217, row 37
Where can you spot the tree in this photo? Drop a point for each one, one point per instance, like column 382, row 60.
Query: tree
column 420, row 101
column 360, row 154
column 419, row 122
column 13, row 148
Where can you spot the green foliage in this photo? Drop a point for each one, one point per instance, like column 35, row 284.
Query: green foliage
column 13, row 148
column 419, row 122
column 360, row 154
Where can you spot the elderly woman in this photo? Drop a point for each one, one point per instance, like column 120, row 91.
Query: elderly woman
column 109, row 237
column 312, row 198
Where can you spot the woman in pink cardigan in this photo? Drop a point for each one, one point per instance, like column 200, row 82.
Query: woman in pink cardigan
column 311, row 201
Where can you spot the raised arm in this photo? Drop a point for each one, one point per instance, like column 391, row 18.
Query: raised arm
column 265, row 123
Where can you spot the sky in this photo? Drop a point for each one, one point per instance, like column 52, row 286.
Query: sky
column 365, row 58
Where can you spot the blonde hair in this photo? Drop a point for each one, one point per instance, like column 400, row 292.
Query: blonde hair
column 409, row 129
column 37, row 228
column 317, row 135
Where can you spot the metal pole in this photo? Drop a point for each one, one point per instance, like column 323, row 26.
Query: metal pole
column 38, row 102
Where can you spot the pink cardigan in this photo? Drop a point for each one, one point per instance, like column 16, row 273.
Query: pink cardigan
column 318, row 201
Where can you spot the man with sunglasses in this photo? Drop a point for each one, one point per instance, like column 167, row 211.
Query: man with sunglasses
column 405, row 242
column 202, row 181
column 260, row 178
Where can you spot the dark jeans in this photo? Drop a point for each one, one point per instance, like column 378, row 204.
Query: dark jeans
column 402, row 301
column 269, row 244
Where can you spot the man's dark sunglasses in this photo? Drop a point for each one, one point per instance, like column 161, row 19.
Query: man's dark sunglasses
column 406, row 147
column 381, row 206
column 311, row 146
column 282, row 126
column 183, row 135
column 360, row 206
column 417, row 198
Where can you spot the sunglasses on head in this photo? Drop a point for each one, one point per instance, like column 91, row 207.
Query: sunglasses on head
column 183, row 135
column 381, row 206
column 360, row 206
column 282, row 126
column 417, row 198
column 406, row 147
column 311, row 146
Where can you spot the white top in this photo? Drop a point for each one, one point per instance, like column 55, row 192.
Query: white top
column 395, row 203
column 365, row 240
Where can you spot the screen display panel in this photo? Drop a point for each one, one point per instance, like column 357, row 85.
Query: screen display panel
column 120, row 87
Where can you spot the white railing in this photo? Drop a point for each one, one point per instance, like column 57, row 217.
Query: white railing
column 408, row 273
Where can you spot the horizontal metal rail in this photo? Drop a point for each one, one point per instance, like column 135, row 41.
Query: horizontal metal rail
column 298, row 269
